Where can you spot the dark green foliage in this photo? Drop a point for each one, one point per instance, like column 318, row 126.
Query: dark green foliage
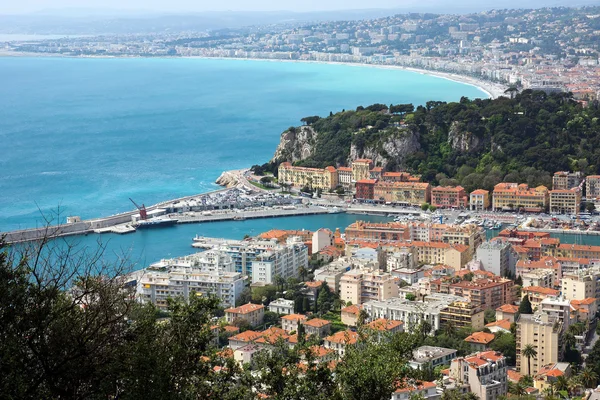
column 525, row 306
column 507, row 345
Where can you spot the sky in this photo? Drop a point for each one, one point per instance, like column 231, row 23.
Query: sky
column 27, row 6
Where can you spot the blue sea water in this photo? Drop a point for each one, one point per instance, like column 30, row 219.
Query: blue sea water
column 86, row 134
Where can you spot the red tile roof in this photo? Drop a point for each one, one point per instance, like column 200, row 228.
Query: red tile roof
column 480, row 338
column 245, row 309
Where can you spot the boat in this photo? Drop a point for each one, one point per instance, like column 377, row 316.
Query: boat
column 239, row 218
column 335, row 210
column 155, row 223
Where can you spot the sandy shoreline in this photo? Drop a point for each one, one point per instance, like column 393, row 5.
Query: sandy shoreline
column 491, row 89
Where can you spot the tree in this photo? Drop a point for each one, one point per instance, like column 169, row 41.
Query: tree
column 270, row 318
column 425, row 206
column 529, row 352
column 507, row 345
column 525, row 306
column 489, row 316
column 589, row 378
column 410, row 297
column 362, row 317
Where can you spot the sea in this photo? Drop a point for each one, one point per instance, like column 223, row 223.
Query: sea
column 80, row 136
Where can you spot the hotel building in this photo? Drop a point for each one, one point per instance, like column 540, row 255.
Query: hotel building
column 564, row 180
column 565, row 201
column 407, row 193
column 449, row 197
column 512, row 195
column 361, row 169
column 315, row 178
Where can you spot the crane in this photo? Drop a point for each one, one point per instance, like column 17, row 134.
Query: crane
column 142, row 209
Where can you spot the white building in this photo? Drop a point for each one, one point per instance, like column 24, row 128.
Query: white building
column 485, row 374
column 431, row 356
column 497, row 257
column 401, row 260
column 321, row 239
column 282, row 306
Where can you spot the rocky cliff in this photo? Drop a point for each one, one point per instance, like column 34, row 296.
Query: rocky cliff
column 394, row 148
column 463, row 141
column 296, row 144
column 227, row 179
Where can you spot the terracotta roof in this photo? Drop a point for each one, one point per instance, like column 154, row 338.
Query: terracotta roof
column 588, row 301
column 363, row 161
column 480, row 338
column 231, row 329
column 320, row 351
column 353, row 309
column 406, row 387
column 367, row 181
column 383, row 324
column 245, row 309
column 508, row 308
column 541, row 290
column 343, row 337
column 246, row 336
column 294, row 317
column 503, row 323
column 316, row 323
column 330, row 169
column 513, row 375
column 313, row 284
column 480, row 191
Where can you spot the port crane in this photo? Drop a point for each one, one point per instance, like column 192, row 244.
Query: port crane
column 142, row 209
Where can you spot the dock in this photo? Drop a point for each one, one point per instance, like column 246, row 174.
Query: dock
column 241, row 215
column 119, row 229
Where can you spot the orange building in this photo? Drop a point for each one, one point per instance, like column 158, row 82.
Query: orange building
column 484, row 293
column 449, row 197
column 405, row 193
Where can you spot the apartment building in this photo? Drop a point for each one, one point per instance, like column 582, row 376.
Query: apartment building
column 345, row 177
column 399, row 177
column 449, row 197
column 461, row 314
column 480, row 341
column 339, row 341
column 349, row 315
column 389, row 231
column 291, row 322
column 544, row 333
column 322, row 238
column 545, row 263
column 559, row 307
column 565, row 180
column 541, row 277
column 376, row 173
column 365, row 189
column 357, row 286
column 252, row 313
column 580, row 286
column 565, row 201
column 315, row 178
column 507, row 311
column 479, row 200
column 485, row 373
column 578, row 251
column 361, row 169
column 282, row 306
column 497, row 257
column 537, row 294
column 431, row 356
column 592, row 187
column 404, row 193
column 316, row 327
column 483, row 293
column 509, row 196
column 208, row 273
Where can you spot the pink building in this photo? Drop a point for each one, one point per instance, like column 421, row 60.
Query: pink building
column 449, row 197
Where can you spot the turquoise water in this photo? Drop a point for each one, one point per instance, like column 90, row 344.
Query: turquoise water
column 87, row 134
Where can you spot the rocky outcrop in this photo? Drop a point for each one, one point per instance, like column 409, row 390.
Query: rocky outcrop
column 395, row 147
column 462, row 140
column 227, row 179
column 296, row 144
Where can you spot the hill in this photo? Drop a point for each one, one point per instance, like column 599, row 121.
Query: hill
column 475, row 143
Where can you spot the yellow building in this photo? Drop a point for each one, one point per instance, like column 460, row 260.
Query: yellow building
column 460, row 314
column 543, row 332
column 411, row 193
column 512, row 195
column 357, row 287
column 578, row 286
column 315, row 178
column 565, row 201
column 361, row 169
column 479, row 200
column 578, row 251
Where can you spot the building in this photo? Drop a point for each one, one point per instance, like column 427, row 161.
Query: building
column 421, row 389
column 376, row 173
column 340, row 340
column 479, row 200
column 564, row 180
column 252, row 313
column 578, row 251
column 502, row 325
column 558, row 307
column 403, row 261
column 410, row 276
column 584, row 310
column 497, row 257
column 317, row 327
column 349, row 315
column 449, row 197
column 545, row 379
column 290, row 323
column 282, row 306
column 543, row 332
column 357, row 286
column 507, row 311
column 321, row 238
column 383, row 325
column 485, row 373
column 361, row 169
column 537, row 293
column 314, row 178
column 592, row 187
column 403, row 193
column 205, row 273
column 245, row 355
column 431, row 357
column 567, row 201
column 509, row 196
column 541, row 277
column 399, row 177
column 243, row 339
column 365, row 189
column 483, row 293
column 388, row 231
column 544, row 263
column 462, row 314
column 345, row 177
column 480, row 341
column 311, row 289
column 579, row 286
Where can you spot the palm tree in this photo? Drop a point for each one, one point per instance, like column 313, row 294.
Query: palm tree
column 588, row 377
column 302, row 272
column 561, row 383
column 529, row 351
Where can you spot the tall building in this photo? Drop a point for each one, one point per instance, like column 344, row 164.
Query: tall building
column 449, row 197
column 252, row 313
column 321, row 239
column 543, row 332
column 564, row 180
column 565, row 201
column 483, row 292
column 315, row 178
column 462, row 314
column 513, row 195
column 345, row 177
column 592, row 187
column 361, row 169
column 498, row 257
column 485, row 374
column 357, row 286
column 211, row 272
column 579, row 286
column 365, row 189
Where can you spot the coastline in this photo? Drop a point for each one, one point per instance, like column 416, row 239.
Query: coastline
column 491, row 89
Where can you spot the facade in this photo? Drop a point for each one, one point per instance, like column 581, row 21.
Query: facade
column 422, row 389
column 431, row 356
column 252, row 313
column 558, row 307
column 205, row 273
column 541, row 278
column 507, row 311
column 390, row 231
column 462, row 314
column 479, row 200
column 399, row 177
column 544, row 333
column 317, row 327
column 349, row 315
column 404, row 193
column 449, row 197
column 497, row 257
column 365, row 189
column 483, row 293
column 361, row 169
column 340, row 340
column 579, row 286
column 290, row 323
column 536, row 294
column 485, row 373
column 564, row 180
column 357, row 286
column 321, row 238
column 592, row 187
column 315, row 178
column 480, row 341
column 509, row 196
column 345, row 177
column 282, row 306
column 565, row 201
column 578, row 251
